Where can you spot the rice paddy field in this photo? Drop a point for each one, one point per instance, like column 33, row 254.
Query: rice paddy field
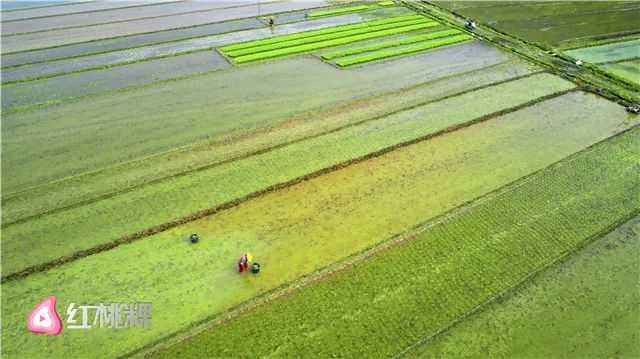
column 409, row 188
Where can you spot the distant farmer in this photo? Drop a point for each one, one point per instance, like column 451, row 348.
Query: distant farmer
column 271, row 20
column 243, row 262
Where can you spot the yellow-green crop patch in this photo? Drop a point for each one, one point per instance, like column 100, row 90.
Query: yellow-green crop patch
column 386, row 303
column 95, row 185
column 324, row 37
column 271, row 51
column 92, row 225
column 394, row 43
column 330, row 30
column 428, row 45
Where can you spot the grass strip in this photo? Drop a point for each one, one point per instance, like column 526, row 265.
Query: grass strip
column 384, row 45
column 389, row 301
column 386, row 3
column 325, row 37
column 328, row 30
column 344, row 10
column 404, row 51
column 329, row 43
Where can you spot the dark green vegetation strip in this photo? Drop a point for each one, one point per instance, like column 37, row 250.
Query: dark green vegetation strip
column 336, row 42
column 324, row 37
column 403, row 51
column 330, row 30
column 394, row 43
column 562, row 21
column 608, row 86
column 385, row 303
column 595, row 293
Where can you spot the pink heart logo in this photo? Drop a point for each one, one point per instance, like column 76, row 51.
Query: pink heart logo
column 44, row 319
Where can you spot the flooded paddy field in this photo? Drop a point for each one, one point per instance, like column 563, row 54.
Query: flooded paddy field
column 383, row 164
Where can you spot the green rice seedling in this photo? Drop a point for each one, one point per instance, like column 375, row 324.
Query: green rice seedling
column 344, row 10
column 318, row 38
column 405, row 51
column 330, row 43
column 384, row 45
column 329, row 30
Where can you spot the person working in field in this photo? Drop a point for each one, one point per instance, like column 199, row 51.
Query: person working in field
column 243, row 262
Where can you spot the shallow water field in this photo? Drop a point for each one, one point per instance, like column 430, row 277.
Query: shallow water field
column 56, row 89
column 52, row 68
column 36, row 10
column 121, row 15
column 96, row 32
column 617, row 51
column 628, row 70
column 127, row 42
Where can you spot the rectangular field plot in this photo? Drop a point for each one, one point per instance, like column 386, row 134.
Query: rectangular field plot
column 65, row 87
column 146, row 207
column 590, row 290
column 94, row 185
column 115, row 15
column 52, row 68
column 335, row 36
column 126, row 42
column 347, row 211
column 387, row 302
column 628, row 70
column 555, row 23
column 96, row 32
column 383, row 45
column 69, row 8
column 617, row 51
column 395, row 52
column 154, row 122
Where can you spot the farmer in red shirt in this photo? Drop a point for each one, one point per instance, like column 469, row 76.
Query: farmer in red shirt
column 243, row 263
